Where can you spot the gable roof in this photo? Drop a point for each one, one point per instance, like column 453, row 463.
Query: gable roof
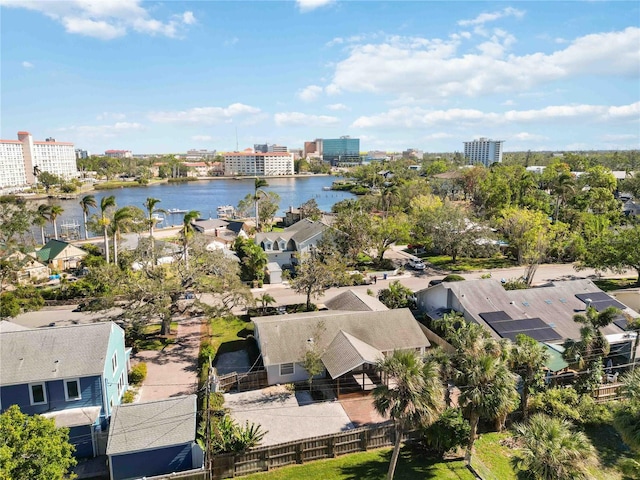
column 7, row 326
column 54, row 248
column 352, row 301
column 145, row 426
column 43, row 354
column 299, row 232
column 283, row 338
column 210, row 225
column 346, row 352
column 555, row 304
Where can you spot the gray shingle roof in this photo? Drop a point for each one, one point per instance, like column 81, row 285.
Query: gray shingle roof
column 353, row 301
column 7, row 326
column 346, row 353
column 283, row 338
column 299, row 232
column 53, row 353
column 151, row 425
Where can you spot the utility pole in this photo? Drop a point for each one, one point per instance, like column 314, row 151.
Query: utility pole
column 208, row 459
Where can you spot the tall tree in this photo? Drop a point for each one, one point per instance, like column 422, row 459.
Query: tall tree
column 16, row 218
column 258, row 183
column 253, row 260
column 105, row 204
column 396, row 296
column 387, row 231
column 187, row 231
column 87, row 202
column 41, row 217
column 593, row 344
column 31, row 447
column 310, row 210
column 563, row 185
column 314, row 274
column 150, row 206
column 121, row 223
column 552, row 450
column 54, row 213
column 616, row 251
column 527, row 358
column 413, row 395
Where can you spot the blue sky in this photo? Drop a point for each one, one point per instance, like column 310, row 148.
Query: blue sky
column 156, row 77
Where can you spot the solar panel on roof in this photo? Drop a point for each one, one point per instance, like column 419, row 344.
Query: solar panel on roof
column 594, row 296
column 604, row 304
column 498, row 316
column 520, row 326
column 621, row 322
column 543, row 334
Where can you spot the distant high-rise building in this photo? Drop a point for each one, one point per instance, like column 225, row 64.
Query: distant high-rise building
column 118, row 153
column 194, row 154
column 313, row 149
column 258, row 164
column 484, row 151
column 277, row 149
column 23, row 159
column 260, row 147
column 343, row 150
column 80, row 154
column 413, row 153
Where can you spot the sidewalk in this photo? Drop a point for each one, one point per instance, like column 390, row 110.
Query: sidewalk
column 173, row 371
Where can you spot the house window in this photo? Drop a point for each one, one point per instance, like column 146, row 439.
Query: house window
column 72, row 389
column 114, row 362
column 122, row 381
column 37, row 394
column 286, row 369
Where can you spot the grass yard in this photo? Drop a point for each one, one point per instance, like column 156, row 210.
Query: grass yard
column 468, row 264
column 228, row 334
column 152, row 340
column 371, row 465
column 608, row 284
column 496, row 457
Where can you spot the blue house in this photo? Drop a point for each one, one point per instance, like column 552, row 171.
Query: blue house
column 154, row 438
column 75, row 375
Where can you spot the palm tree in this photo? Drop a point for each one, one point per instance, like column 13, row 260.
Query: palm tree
column 257, row 184
column 54, row 213
column 489, row 388
column 527, row 359
column 88, row 201
column 413, row 395
column 150, row 205
column 552, row 450
column 562, row 186
column 593, row 345
column 121, row 223
column 265, row 299
column 187, row 231
column 42, row 217
column 104, row 221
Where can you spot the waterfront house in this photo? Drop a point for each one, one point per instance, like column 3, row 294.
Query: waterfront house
column 349, row 344
column 544, row 313
column 75, row 375
column 60, row 256
column 154, row 438
column 28, row 268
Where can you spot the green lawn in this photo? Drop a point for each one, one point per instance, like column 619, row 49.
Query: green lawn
column 153, row 340
column 468, row 264
column 371, row 465
column 608, row 284
column 494, row 456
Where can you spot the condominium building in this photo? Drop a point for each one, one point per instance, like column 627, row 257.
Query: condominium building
column 258, row 164
column 341, row 151
column 484, row 151
column 118, row 154
column 81, row 154
column 25, row 158
column 265, row 148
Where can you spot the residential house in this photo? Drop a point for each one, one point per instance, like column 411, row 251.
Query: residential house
column 75, row 375
column 355, row 301
column 631, row 208
column 154, row 438
column 349, row 342
column 283, row 247
column 543, row 313
column 60, row 256
column 29, row 269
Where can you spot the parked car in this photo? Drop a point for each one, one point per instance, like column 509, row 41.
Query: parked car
column 416, row 264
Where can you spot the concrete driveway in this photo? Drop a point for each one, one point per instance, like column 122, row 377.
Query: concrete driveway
column 285, row 417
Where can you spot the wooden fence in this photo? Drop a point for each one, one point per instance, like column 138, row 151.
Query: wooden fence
column 241, row 381
column 301, row 451
column 608, row 392
column 198, row 474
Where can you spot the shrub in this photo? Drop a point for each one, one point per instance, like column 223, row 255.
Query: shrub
column 557, row 403
column 450, row 431
column 453, row 278
column 515, row 284
column 129, row 396
column 138, row 373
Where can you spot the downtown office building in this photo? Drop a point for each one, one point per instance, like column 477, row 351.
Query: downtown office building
column 341, row 151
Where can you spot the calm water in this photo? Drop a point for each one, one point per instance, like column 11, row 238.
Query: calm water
column 206, row 195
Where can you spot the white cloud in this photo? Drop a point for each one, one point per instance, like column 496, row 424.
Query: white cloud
column 103, row 131
column 308, row 5
column 229, row 42
column 417, row 117
column 206, row 115
column 310, row 93
column 528, row 137
column 337, row 106
column 110, row 116
column 508, row 103
column 493, row 16
column 297, row 119
column 106, row 19
column 201, row 138
column 433, row 68
column 438, row 136
column 26, row 64
column 612, row 137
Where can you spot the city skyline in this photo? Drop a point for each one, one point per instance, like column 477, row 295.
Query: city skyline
column 155, row 77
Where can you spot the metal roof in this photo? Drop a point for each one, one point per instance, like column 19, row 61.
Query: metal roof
column 54, row 353
column 146, row 426
column 283, row 338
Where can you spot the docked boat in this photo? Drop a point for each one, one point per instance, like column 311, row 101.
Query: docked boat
column 226, row 211
column 326, row 189
column 173, row 211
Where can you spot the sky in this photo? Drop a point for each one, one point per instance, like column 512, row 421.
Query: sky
column 159, row 77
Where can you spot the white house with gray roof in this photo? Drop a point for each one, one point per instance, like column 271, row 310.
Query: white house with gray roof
column 154, row 438
column 350, row 343
column 74, row 374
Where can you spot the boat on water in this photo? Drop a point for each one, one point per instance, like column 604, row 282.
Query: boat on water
column 326, row 189
column 173, row 211
column 226, row 211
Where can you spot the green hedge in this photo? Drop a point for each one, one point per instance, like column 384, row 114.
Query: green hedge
column 138, row 373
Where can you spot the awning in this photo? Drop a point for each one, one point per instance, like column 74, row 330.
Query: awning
column 74, row 417
column 555, row 363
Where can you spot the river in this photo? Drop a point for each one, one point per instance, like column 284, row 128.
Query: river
column 206, row 195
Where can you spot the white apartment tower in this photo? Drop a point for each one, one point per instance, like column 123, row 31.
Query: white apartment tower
column 484, row 151
column 21, row 160
column 258, row 164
